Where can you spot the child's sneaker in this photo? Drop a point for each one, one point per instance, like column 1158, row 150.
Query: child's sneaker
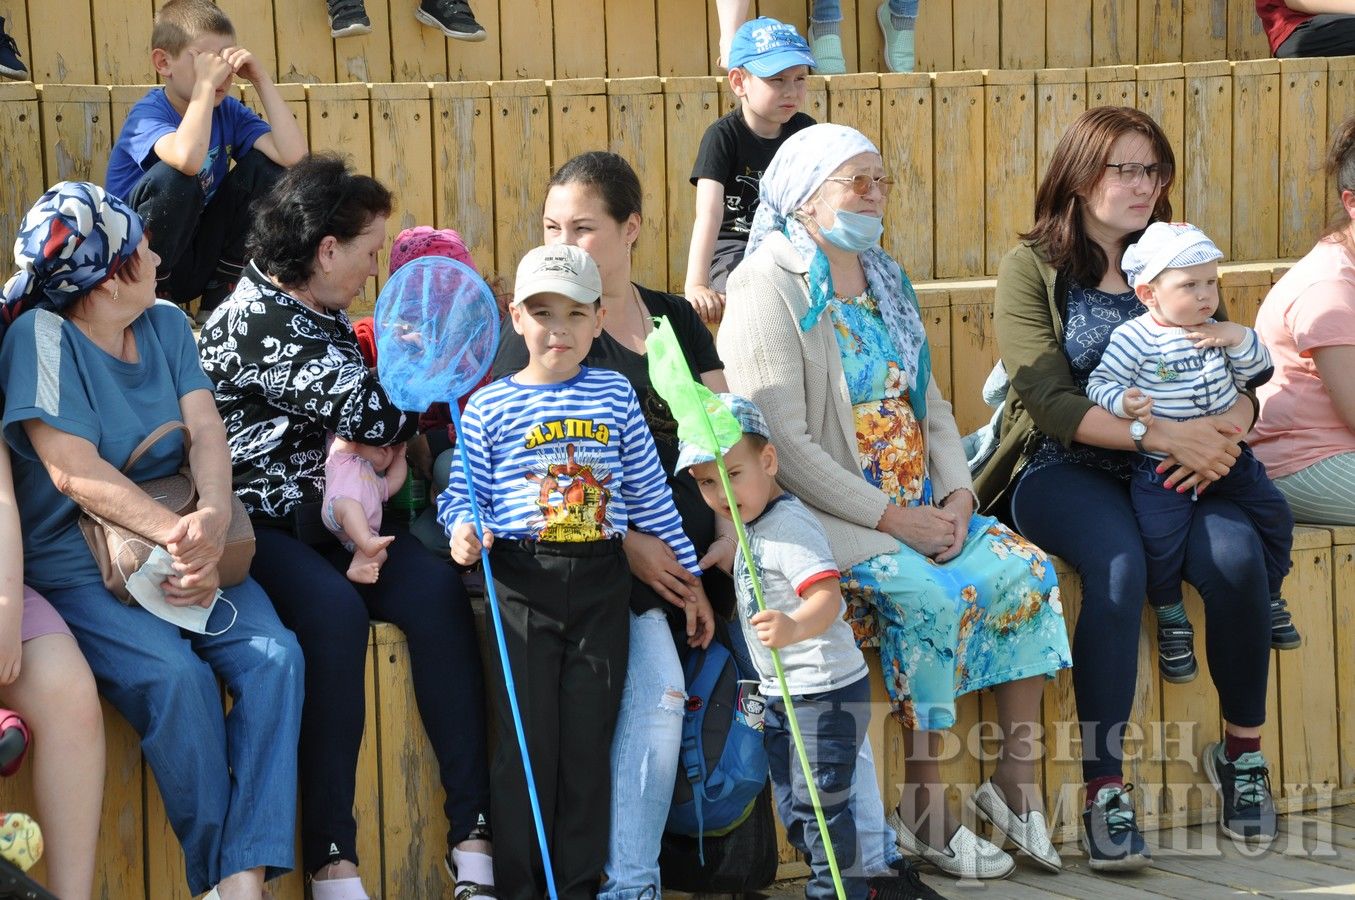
column 10, row 65
column 348, row 18
column 1176, row 653
column 907, row 885
column 1283, row 634
column 1110, row 835
column 827, row 50
column 20, row 840
column 452, row 17
column 899, row 42
column 1248, row 812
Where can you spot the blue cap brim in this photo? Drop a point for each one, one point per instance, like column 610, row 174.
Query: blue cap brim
column 777, row 62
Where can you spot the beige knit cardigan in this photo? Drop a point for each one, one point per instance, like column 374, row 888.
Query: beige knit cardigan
column 796, row 379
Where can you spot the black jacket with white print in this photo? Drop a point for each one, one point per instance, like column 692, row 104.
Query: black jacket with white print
column 285, row 378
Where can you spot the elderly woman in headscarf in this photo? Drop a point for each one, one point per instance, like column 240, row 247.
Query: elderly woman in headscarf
column 91, row 366
column 823, row 332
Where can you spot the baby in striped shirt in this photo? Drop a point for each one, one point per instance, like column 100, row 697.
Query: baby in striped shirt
column 1178, row 362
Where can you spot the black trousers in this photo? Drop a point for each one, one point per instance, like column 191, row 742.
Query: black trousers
column 567, row 629
column 1329, row 34
column 196, row 242
column 423, row 596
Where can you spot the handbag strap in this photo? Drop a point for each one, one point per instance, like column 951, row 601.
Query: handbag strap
column 154, row 437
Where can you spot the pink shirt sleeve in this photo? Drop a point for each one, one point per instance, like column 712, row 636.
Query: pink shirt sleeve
column 1325, row 317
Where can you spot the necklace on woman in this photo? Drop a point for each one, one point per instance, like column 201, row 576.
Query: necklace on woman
column 645, row 324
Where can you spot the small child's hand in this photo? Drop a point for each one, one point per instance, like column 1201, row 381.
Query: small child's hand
column 243, row 63
column 775, row 629
column 1137, row 404
column 211, row 69
column 708, row 303
column 466, row 547
column 1217, row 334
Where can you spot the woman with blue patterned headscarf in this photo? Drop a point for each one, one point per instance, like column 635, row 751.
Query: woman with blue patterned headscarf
column 823, row 332
column 91, row 364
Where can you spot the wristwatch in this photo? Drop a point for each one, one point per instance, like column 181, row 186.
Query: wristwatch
column 1137, row 432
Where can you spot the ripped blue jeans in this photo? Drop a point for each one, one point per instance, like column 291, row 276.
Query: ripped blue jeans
column 644, row 759
column 833, row 725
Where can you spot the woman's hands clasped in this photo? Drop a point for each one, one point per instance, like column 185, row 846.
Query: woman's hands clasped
column 196, row 545
column 1199, row 451
column 930, row 530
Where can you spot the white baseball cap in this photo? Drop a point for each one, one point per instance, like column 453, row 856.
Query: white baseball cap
column 558, row 269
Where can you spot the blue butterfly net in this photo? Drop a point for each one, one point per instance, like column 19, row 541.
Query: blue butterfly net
column 437, row 329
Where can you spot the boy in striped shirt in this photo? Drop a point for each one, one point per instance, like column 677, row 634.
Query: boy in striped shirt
column 1177, row 362
column 563, row 464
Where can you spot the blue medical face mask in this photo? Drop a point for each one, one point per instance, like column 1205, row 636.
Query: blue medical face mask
column 853, row 231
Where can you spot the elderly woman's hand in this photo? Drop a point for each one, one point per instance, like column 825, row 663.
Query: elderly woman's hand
column 652, row 561
column 199, row 539
column 929, row 530
column 1199, row 451
column 960, row 504
column 196, row 588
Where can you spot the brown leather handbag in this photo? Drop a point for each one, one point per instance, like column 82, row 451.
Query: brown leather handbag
column 120, row 551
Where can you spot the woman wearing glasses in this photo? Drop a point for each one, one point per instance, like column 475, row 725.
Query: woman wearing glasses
column 825, row 336
column 1060, row 475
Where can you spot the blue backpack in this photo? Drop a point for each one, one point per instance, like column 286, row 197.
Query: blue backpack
column 723, row 765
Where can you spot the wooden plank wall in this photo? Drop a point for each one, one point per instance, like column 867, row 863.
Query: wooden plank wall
column 105, row 41
column 399, row 796
column 967, row 149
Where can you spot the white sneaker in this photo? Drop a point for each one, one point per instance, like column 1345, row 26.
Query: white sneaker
column 1027, row 832
column 966, row 855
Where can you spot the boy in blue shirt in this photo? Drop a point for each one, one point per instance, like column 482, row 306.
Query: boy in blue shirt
column 768, row 65
column 171, row 162
column 563, row 464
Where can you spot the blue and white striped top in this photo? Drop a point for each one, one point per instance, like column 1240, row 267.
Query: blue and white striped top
column 1184, row 382
column 567, row 462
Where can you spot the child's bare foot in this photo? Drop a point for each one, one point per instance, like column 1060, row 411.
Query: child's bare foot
column 366, row 568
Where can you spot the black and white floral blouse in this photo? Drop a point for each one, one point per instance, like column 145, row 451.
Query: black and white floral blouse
column 286, row 377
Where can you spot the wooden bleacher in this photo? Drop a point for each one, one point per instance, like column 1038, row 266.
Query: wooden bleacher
column 1309, row 738
column 104, row 41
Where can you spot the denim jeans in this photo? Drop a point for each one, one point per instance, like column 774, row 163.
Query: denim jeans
column 228, row 781
column 644, row 758
column 880, row 853
column 831, row 10
column 833, row 725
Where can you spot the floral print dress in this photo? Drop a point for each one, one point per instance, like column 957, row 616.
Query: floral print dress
column 989, row 616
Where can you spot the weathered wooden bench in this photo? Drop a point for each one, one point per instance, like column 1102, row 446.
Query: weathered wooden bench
column 1309, row 739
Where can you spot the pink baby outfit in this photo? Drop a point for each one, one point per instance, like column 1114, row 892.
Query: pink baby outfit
column 349, row 475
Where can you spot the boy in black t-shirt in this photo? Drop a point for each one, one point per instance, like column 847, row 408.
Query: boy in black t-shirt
column 768, row 65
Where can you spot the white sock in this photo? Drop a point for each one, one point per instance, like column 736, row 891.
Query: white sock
column 338, row 889
column 903, row 23
column 473, row 865
column 819, row 29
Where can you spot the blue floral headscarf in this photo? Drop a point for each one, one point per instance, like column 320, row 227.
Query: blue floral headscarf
column 75, row 236
column 800, row 167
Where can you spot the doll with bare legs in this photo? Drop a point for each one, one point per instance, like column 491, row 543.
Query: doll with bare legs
column 358, row 479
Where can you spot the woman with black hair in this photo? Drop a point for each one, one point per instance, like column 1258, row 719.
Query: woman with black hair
column 288, row 373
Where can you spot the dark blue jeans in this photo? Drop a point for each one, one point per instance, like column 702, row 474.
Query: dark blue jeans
column 1165, row 517
column 1084, row 516
column 331, row 615
column 833, row 725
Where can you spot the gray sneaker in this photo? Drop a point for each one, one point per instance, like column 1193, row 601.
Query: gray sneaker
column 1248, row 812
